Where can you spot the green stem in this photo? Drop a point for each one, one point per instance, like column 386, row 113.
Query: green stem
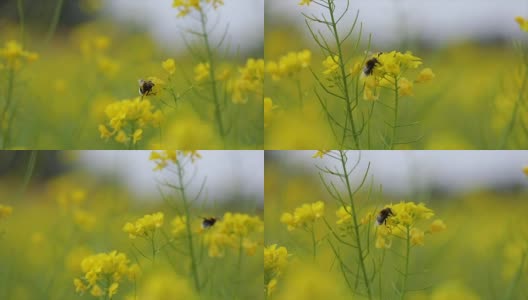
column 513, row 118
column 5, row 117
column 212, row 77
column 356, row 225
column 331, row 8
column 517, row 279
column 194, row 267
column 396, row 104
column 407, row 255
column 54, row 21
column 314, row 243
column 29, row 171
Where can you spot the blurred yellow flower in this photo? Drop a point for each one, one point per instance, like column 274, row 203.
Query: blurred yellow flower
column 187, row 6
column 179, row 225
column 331, row 65
column 305, row 2
column 201, row 72
column 438, row 226
column 5, row 211
column 12, row 53
column 169, row 65
column 405, row 87
column 417, row 237
column 523, row 23
column 250, row 79
column 425, row 75
column 320, row 153
column 145, row 226
column 268, row 111
column 275, row 259
column 304, row 215
column 525, row 171
column 344, row 215
column 289, row 64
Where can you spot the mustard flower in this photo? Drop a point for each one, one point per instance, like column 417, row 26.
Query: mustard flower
column 233, row 231
column 320, row 153
column 438, row 226
column 163, row 158
column 169, row 65
column 107, row 66
column 275, row 259
column 250, row 79
column 85, row 220
column 103, row 272
column 128, row 118
column 305, row 2
column 179, row 225
column 185, row 7
column 425, row 75
column 525, row 171
column 523, row 23
column 331, row 65
column 13, row 55
column 145, row 226
column 289, row 64
column 201, row 72
column 5, row 211
column 304, row 215
column 405, row 87
column 344, row 215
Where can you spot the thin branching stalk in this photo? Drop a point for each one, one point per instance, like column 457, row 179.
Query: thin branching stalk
column 212, row 76
column 54, row 21
column 194, row 266
column 360, row 249
column 6, row 118
column 396, row 105
column 515, row 112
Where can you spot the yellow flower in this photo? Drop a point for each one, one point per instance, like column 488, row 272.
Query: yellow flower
column 179, row 225
column 343, row 215
column 169, row 65
column 5, row 211
column 107, row 66
column 163, row 158
column 202, row 71
column 320, row 153
column 187, row 6
column 331, row 65
column 145, row 226
column 405, row 87
column 425, row 75
column 271, row 287
column 304, row 58
column 85, row 220
column 104, row 269
column 138, row 134
column 305, row 2
column 523, row 23
column 525, row 170
column 250, row 79
column 13, row 53
column 304, row 215
column 438, row 226
column 417, row 237
column 275, row 259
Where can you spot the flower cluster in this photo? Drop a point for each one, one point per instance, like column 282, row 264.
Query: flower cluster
column 179, row 225
column 275, row 261
column 163, row 158
column 402, row 223
column 320, row 153
column 202, row 72
column 13, row 54
column 127, row 118
column 145, row 226
column 169, row 66
column 289, row 64
column 103, row 272
column 233, row 231
column 331, row 66
column 388, row 70
column 187, row 6
column 304, row 215
column 250, row 79
column 523, row 23
column 5, row 211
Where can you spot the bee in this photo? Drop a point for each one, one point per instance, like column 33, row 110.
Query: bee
column 383, row 215
column 145, row 87
column 370, row 64
column 208, row 222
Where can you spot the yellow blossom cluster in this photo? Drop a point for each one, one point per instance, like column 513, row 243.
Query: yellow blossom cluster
column 13, row 55
column 320, row 153
column 127, row 118
column 5, row 211
column 402, row 223
column 185, row 7
column 94, row 49
column 233, row 231
column 202, row 72
column 145, row 226
column 103, row 272
column 179, row 225
column 289, row 64
column 275, row 261
column 303, row 216
column 523, row 23
column 163, row 158
column 331, row 65
column 388, row 70
column 250, row 79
